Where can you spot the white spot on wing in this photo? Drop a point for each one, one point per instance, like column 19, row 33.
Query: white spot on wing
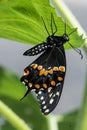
column 23, row 82
column 54, row 95
column 49, row 89
column 39, row 92
column 42, row 98
column 36, row 48
column 45, row 46
column 58, row 84
column 51, row 101
column 32, row 49
column 36, row 51
column 43, row 102
column 44, row 107
column 50, row 95
column 47, row 110
column 57, row 93
column 39, row 49
column 33, row 53
column 49, row 68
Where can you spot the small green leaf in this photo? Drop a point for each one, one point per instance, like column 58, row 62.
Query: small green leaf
column 21, row 21
column 10, row 84
column 68, row 121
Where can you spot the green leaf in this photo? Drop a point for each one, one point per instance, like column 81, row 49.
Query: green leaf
column 10, row 84
column 21, row 21
column 68, row 121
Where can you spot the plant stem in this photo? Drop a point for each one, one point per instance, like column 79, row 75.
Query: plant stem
column 12, row 117
column 52, row 122
column 82, row 117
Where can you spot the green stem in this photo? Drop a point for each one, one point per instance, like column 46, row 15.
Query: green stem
column 12, row 117
column 52, row 122
column 82, row 117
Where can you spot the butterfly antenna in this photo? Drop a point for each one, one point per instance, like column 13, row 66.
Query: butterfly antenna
column 51, row 24
column 45, row 26
column 65, row 28
column 53, row 21
column 77, row 50
column 73, row 31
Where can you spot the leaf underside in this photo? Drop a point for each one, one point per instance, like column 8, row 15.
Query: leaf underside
column 20, row 20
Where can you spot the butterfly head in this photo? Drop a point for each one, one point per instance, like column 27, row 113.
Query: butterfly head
column 65, row 38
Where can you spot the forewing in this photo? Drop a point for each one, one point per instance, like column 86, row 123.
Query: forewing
column 52, row 57
column 36, row 49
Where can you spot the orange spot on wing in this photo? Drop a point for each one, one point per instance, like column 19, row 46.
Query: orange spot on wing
column 60, row 79
column 39, row 67
column 45, row 73
column 26, row 72
column 62, row 68
column 55, row 69
column 41, row 72
column 34, row 66
column 37, row 86
column 53, row 83
column 50, row 71
column 44, row 85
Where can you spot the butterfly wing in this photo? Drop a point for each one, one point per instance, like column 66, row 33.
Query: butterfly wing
column 49, row 98
column 52, row 57
column 48, row 85
column 36, row 49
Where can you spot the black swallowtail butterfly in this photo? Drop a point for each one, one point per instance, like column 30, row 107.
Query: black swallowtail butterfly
column 46, row 74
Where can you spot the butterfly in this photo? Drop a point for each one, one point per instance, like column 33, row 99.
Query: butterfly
column 45, row 75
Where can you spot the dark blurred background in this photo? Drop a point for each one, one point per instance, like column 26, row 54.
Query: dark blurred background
column 11, row 57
